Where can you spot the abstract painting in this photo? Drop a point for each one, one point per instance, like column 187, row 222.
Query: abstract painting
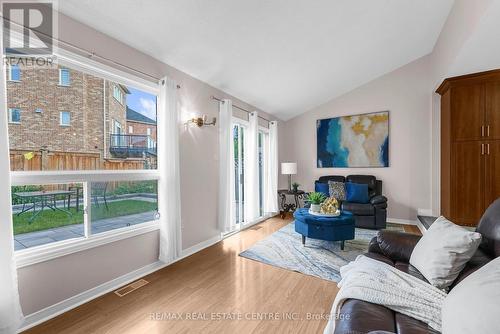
column 353, row 141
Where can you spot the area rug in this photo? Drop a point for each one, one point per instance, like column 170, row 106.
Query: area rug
column 318, row 258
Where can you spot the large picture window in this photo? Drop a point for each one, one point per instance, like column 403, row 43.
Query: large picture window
column 76, row 176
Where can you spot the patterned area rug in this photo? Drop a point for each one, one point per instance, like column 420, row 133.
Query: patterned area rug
column 318, row 258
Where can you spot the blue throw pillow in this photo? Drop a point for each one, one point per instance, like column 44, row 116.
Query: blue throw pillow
column 357, row 193
column 322, row 188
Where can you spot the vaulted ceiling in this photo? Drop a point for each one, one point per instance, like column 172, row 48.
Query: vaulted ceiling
column 283, row 56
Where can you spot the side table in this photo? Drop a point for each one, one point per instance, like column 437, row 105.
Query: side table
column 290, row 207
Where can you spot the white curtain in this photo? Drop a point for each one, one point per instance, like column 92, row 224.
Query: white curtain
column 169, row 185
column 226, row 167
column 11, row 316
column 271, row 183
column 251, row 156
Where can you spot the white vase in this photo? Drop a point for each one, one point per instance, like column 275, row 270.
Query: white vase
column 315, row 207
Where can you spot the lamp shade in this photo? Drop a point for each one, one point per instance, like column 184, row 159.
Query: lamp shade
column 289, row 168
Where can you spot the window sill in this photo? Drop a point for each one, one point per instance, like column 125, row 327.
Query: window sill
column 15, row 81
column 60, row 85
column 15, row 123
column 30, row 256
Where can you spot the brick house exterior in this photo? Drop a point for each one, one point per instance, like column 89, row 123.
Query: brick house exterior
column 40, row 98
column 139, row 124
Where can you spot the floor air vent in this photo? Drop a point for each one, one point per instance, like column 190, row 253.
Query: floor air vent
column 131, row 287
column 255, row 228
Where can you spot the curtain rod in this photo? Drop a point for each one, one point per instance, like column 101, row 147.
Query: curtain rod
column 242, row 109
column 90, row 54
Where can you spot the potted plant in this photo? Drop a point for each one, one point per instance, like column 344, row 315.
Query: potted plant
column 295, row 187
column 315, row 199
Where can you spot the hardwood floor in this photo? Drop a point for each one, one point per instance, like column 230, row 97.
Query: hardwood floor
column 214, row 283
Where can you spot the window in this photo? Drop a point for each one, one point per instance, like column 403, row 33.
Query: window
column 148, row 131
column 64, row 118
column 117, row 94
column 14, row 73
column 239, row 173
column 262, row 179
column 73, row 190
column 130, row 129
column 14, row 115
column 64, row 77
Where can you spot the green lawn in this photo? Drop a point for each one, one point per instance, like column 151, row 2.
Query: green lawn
column 50, row 219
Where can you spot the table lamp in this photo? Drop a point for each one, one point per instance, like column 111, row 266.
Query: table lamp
column 289, row 168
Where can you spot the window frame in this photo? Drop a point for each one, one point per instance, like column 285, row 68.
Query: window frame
column 61, row 83
column 10, row 115
column 37, row 254
column 61, row 118
column 10, row 69
column 117, row 89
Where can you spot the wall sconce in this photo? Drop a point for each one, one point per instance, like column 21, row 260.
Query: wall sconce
column 201, row 121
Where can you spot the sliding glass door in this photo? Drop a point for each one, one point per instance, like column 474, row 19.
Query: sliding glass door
column 239, row 172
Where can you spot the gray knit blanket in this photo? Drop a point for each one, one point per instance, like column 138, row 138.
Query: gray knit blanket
column 379, row 283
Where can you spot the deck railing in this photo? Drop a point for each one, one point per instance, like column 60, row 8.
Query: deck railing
column 137, row 146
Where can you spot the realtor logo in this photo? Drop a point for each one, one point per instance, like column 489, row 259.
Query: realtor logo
column 28, row 28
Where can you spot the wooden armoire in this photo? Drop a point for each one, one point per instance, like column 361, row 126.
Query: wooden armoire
column 470, row 145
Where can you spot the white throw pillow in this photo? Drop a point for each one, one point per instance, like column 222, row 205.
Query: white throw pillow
column 442, row 252
column 473, row 305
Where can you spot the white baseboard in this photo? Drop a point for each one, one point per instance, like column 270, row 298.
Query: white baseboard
column 421, row 227
column 424, row 212
column 416, row 223
column 198, row 247
column 401, row 221
column 52, row 311
column 86, row 296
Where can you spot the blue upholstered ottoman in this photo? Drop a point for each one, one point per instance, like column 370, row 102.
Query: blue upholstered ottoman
column 339, row 228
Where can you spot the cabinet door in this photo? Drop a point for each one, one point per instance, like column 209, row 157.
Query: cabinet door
column 467, row 112
column 467, row 191
column 492, row 172
column 492, row 99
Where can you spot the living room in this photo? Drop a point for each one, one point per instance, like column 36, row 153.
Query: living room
column 248, row 167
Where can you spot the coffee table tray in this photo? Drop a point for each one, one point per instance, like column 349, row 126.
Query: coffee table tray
column 325, row 214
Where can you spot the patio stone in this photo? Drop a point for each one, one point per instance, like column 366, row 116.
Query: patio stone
column 37, row 242
column 31, row 239
column 18, row 245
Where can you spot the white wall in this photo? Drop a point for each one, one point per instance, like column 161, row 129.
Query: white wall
column 405, row 94
column 47, row 283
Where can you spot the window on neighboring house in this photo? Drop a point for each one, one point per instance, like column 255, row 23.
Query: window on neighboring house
column 118, row 94
column 14, row 73
column 65, row 118
column 14, row 115
column 148, row 131
column 64, row 77
column 96, row 193
column 130, row 129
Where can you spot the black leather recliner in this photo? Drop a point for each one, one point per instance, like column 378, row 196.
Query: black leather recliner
column 370, row 215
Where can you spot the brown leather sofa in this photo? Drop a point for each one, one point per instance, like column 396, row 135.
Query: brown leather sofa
column 395, row 248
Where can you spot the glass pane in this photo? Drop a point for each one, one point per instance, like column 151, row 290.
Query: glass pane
column 86, row 137
column 239, row 173
column 43, row 214
column 121, row 204
column 236, row 173
column 261, row 173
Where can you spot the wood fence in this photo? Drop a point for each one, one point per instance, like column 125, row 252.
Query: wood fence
column 38, row 161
